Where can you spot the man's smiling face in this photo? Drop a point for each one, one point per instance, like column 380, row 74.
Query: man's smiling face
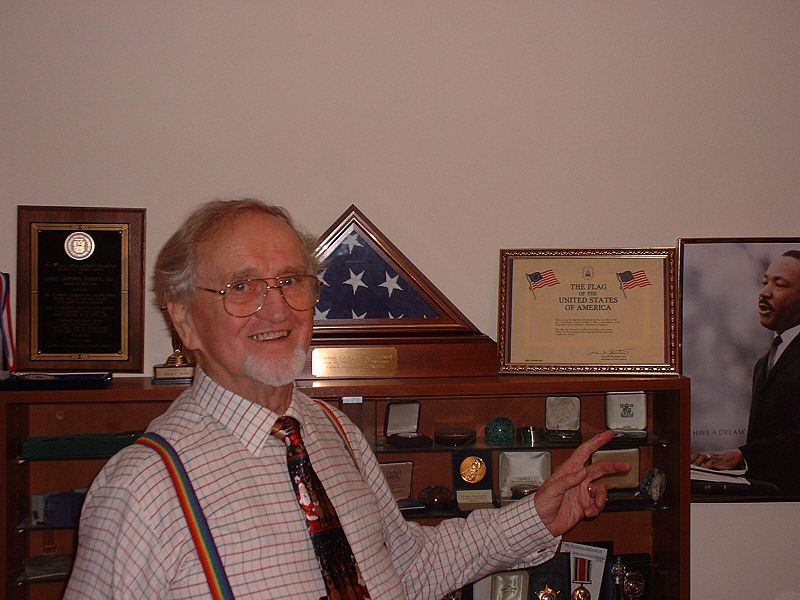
column 268, row 347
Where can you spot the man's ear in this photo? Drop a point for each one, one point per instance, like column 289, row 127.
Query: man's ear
column 181, row 318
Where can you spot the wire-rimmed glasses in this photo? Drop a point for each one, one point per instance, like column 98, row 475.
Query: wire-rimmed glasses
column 245, row 297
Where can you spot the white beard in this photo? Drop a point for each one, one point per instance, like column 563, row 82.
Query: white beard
column 276, row 373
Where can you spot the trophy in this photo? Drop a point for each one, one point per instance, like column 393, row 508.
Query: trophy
column 177, row 368
column 618, row 571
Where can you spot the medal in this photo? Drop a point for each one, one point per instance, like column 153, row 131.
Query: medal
column 472, row 469
column 548, row 593
column 582, row 567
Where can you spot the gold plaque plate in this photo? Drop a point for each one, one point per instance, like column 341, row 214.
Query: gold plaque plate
column 354, row 362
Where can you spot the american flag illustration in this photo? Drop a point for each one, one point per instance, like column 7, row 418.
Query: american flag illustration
column 541, row 279
column 628, row 279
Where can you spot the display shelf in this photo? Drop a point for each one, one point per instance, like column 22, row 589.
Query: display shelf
column 616, row 444
column 71, row 447
column 44, row 569
column 27, row 524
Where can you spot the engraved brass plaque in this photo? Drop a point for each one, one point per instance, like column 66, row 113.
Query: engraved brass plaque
column 354, row 362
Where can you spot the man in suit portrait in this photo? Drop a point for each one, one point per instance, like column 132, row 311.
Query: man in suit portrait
column 773, row 433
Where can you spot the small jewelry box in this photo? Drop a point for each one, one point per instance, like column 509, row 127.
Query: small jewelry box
column 626, row 413
column 622, row 480
column 401, row 426
column 562, row 416
column 522, row 468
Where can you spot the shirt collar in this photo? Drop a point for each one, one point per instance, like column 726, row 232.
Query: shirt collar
column 249, row 422
column 788, row 336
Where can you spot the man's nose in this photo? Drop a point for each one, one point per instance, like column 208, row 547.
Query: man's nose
column 274, row 307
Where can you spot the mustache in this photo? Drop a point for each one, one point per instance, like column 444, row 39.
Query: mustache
column 764, row 304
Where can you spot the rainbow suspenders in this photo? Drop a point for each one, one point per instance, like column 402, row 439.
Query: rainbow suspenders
column 193, row 512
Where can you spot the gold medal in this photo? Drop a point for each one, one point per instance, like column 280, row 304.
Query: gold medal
column 581, row 593
column 472, row 469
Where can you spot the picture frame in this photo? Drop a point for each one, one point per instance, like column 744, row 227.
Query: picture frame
column 80, row 293
column 378, row 315
column 370, row 287
column 588, row 311
column 722, row 338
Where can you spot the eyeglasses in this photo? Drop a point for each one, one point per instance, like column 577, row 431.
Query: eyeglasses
column 246, row 297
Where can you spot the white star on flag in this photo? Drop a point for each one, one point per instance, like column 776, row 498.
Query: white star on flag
column 321, row 277
column 390, row 284
column 351, row 241
column 355, row 281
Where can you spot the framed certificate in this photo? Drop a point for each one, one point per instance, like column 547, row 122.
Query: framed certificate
column 588, row 311
column 80, row 299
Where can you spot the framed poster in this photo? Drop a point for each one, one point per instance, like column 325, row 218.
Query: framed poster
column 80, row 297
column 722, row 336
column 588, row 311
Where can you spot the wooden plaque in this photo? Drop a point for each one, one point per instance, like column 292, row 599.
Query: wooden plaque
column 80, row 297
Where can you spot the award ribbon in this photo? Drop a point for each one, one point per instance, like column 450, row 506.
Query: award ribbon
column 582, row 567
column 8, row 355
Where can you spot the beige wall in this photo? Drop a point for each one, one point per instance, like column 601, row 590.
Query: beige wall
column 457, row 127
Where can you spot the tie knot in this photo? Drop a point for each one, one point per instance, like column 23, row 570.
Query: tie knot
column 777, row 341
column 286, row 427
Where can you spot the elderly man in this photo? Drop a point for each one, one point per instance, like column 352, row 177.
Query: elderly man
column 238, row 283
column 773, row 434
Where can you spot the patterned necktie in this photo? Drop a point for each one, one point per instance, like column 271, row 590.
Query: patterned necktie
column 773, row 349
column 335, row 557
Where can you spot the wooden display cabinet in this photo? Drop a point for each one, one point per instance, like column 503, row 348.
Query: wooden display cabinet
column 661, row 530
column 129, row 404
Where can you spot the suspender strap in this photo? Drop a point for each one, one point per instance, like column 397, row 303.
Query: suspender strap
column 195, row 519
column 336, row 422
column 337, row 425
